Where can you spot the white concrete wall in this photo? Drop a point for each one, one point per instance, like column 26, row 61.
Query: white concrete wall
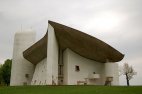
column 111, row 70
column 65, row 67
column 87, row 67
column 21, row 66
column 52, row 57
column 39, row 76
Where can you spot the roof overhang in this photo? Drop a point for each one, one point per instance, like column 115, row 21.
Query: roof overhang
column 37, row 51
column 79, row 42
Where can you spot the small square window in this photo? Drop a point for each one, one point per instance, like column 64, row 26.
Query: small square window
column 77, row 68
column 27, row 75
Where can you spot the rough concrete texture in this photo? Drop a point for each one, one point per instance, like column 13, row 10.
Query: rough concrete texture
column 63, row 49
column 22, row 70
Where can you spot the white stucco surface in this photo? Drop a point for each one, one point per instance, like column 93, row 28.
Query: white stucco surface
column 111, row 70
column 87, row 67
column 65, row 67
column 52, row 57
column 20, row 66
column 39, row 76
column 46, row 71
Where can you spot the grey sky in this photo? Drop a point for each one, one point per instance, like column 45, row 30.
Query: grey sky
column 117, row 22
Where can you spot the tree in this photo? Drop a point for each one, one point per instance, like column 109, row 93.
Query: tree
column 5, row 72
column 128, row 71
column 1, row 78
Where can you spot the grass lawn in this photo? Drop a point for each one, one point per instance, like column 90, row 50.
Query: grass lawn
column 71, row 90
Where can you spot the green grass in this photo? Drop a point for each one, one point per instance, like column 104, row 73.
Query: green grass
column 71, row 90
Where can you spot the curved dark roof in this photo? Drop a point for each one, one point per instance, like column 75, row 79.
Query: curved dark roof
column 37, row 52
column 79, row 42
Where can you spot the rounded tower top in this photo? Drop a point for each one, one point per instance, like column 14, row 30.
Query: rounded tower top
column 26, row 31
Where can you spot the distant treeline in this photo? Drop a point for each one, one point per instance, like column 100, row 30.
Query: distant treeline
column 5, row 71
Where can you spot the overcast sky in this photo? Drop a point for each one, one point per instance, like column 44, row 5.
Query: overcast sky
column 116, row 22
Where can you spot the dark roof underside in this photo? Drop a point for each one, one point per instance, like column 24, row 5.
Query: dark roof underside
column 79, row 42
column 37, row 52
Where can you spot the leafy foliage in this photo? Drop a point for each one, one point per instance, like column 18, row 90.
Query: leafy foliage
column 5, row 71
column 1, row 78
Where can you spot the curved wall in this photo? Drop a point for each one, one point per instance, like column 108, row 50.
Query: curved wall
column 86, row 68
column 39, row 76
column 22, row 70
column 52, row 57
column 111, row 70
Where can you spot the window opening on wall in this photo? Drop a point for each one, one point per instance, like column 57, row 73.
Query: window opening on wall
column 35, row 82
column 27, row 75
column 45, row 82
column 77, row 68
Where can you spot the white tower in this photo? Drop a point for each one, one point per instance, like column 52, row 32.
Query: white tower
column 111, row 70
column 22, row 70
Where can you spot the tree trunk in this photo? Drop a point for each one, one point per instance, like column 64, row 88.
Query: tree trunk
column 127, row 79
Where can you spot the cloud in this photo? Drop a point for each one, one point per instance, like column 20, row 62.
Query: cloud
column 83, row 15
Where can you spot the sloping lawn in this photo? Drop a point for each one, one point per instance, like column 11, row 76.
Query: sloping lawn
column 71, row 90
